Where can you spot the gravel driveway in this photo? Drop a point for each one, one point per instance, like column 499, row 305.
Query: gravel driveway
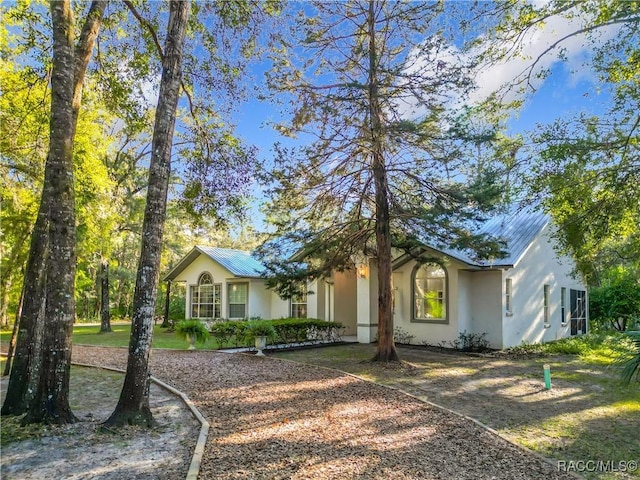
column 274, row 419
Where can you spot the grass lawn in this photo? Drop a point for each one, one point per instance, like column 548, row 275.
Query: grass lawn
column 90, row 390
column 88, row 335
column 587, row 415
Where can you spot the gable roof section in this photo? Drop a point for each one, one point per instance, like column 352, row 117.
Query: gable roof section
column 518, row 228
column 239, row 262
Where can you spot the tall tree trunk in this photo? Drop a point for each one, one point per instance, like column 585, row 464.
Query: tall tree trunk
column 26, row 360
column 133, row 405
column 167, row 305
column 105, row 315
column 386, row 350
column 51, row 400
column 29, row 383
column 14, row 336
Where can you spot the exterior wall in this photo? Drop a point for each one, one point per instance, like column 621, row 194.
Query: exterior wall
column 260, row 301
column 345, row 300
column 426, row 332
column 486, row 302
column 537, row 267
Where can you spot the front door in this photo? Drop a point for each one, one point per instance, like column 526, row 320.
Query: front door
column 578, row 312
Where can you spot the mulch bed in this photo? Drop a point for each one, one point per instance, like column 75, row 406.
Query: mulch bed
column 273, row 419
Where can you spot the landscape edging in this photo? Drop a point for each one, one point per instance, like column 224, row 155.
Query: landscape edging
column 550, row 461
column 198, row 452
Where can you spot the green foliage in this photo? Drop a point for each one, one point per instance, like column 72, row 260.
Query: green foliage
column 471, row 342
column 602, row 348
column 402, row 337
column 240, row 333
column 586, row 167
column 375, row 136
column 192, row 330
column 617, row 301
column 632, row 364
column 260, row 328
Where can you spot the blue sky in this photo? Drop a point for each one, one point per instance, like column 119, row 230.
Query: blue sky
column 569, row 90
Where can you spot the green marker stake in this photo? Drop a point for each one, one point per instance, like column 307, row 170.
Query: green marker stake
column 547, row 376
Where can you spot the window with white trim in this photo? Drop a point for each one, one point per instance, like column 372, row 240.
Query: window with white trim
column 299, row 304
column 508, row 289
column 563, row 305
column 205, row 298
column 547, row 318
column 430, row 293
column 237, row 294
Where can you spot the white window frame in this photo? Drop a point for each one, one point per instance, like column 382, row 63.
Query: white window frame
column 297, row 302
column 230, row 287
column 546, row 289
column 508, row 296
column 563, row 306
column 205, row 280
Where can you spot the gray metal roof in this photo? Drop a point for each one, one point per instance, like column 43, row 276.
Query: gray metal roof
column 518, row 228
column 239, row 262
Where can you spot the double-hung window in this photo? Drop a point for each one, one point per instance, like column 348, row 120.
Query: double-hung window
column 237, row 295
column 508, row 296
column 299, row 304
column 430, row 293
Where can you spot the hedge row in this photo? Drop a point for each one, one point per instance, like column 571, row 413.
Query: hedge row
column 236, row 333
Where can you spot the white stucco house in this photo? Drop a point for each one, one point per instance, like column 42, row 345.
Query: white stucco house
column 528, row 296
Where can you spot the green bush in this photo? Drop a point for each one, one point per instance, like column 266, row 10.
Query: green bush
column 240, row 333
column 617, row 302
column 260, row 328
column 604, row 348
column 193, row 329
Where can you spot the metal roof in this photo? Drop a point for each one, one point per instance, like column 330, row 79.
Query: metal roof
column 518, row 228
column 239, row 262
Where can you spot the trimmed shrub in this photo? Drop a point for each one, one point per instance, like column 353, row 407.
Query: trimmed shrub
column 239, row 333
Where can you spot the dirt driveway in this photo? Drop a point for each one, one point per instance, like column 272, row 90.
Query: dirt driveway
column 272, row 419
column 587, row 414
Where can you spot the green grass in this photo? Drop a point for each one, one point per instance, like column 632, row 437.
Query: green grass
column 88, row 335
column 90, row 389
column 594, row 348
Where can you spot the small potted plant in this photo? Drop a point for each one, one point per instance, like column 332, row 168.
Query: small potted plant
column 260, row 331
column 193, row 331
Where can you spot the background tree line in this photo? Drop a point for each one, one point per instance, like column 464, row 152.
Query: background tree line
column 390, row 153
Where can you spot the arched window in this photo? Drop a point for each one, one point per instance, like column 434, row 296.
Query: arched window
column 205, row 298
column 430, row 293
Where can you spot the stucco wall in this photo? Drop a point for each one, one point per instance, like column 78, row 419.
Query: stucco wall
column 261, row 301
column 344, row 300
column 486, row 305
column 538, row 266
column 431, row 333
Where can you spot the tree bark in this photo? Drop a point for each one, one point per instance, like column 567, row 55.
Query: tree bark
column 105, row 314
column 44, row 392
column 26, row 361
column 14, row 336
column 133, row 404
column 386, row 350
column 51, row 400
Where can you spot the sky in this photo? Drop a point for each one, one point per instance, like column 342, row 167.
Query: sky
column 571, row 88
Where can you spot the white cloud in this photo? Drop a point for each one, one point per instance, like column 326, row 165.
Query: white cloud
column 576, row 48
